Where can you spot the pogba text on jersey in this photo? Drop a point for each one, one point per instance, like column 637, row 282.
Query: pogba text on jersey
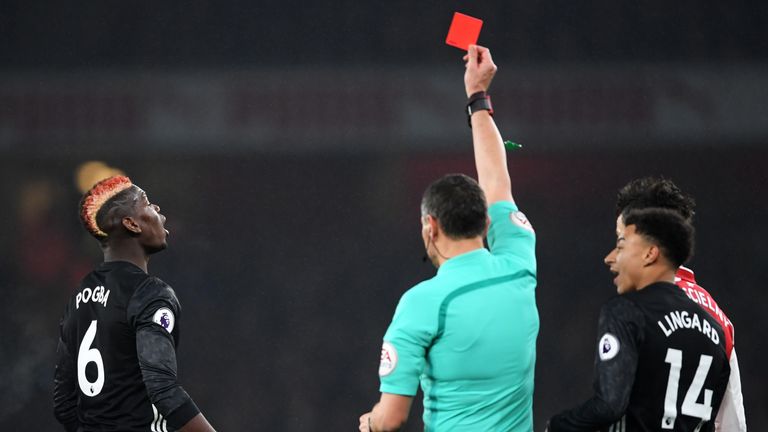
column 96, row 295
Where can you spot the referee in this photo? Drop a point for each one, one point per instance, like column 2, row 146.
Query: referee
column 467, row 335
column 116, row 359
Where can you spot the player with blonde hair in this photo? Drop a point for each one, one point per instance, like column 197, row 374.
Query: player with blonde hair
column 116, row 359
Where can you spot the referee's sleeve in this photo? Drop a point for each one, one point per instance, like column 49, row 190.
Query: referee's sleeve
column 619, row 335
column 511, row 234
column 406, row 342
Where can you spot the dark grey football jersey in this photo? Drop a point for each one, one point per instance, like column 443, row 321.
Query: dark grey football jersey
column 660, row 365
column 116, row 368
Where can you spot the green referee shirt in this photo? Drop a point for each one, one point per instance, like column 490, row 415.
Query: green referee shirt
column 469, row 334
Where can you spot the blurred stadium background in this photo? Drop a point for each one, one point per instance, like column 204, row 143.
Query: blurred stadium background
column 289, row 143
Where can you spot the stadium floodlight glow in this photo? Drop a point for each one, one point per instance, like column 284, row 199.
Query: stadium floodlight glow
column 91, row 172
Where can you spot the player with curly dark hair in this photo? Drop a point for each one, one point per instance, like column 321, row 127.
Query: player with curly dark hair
column 661, row 362
column 637, row 328
column 660, row 192
column 654, row 192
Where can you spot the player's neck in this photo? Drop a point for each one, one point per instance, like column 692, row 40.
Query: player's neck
column 660, row 274
column 134, row 255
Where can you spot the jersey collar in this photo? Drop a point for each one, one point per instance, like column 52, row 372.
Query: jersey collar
column 460, row 260
column 685, row 274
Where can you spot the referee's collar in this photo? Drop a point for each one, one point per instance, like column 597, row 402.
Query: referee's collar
column 466, row 257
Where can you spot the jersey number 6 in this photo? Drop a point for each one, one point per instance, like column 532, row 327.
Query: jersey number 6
column 90, row 355
column 690, row 406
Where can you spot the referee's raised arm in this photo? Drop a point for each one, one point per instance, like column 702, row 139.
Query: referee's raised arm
column 490, row 156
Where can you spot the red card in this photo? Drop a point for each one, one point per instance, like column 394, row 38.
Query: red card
column 464, row 31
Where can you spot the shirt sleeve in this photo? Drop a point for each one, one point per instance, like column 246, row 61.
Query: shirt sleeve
column 620, row 333
column 154, row 313
column 512, row 234
column 64, row 381
column 406, row 342
column 731, row 415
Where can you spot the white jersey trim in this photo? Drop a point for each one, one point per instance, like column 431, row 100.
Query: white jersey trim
column 731, row 417
column 619, row 426
column 159, row 424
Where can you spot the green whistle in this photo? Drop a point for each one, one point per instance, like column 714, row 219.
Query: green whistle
column 511, row 145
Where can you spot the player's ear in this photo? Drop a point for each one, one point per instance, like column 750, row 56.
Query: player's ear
column 652, row 255
column 131, row 225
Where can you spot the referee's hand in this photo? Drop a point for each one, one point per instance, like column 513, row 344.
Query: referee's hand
column 480, row 70
column 365, row 422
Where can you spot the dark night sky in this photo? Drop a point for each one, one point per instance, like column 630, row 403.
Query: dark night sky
column 198, row 33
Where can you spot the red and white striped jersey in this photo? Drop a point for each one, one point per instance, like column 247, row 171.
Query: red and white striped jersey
column 687, row 282
column 731, row 415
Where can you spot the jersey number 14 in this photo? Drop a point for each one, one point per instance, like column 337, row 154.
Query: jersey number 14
column 90, row 355
column 690, row 406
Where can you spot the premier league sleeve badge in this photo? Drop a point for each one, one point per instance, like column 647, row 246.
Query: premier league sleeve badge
column 165, row 318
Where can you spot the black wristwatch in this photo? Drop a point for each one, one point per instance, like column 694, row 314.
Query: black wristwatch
column 478, row 101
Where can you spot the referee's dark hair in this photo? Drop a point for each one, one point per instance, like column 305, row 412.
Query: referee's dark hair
column 654, row 192
column 458, row 204
column 667, row 229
